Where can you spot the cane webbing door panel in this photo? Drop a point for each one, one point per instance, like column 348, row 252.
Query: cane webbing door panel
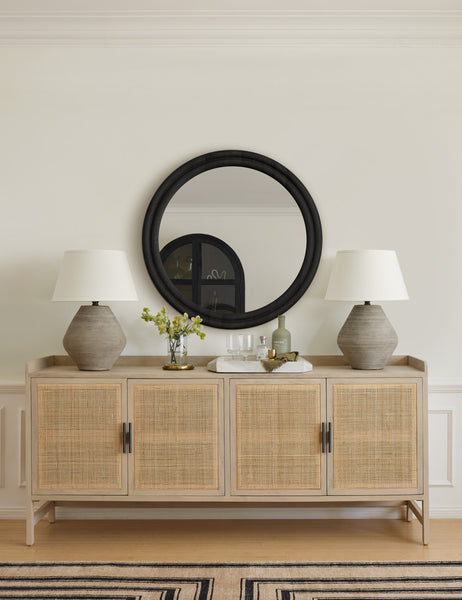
column 77, row 437
column 276, row 437
column 376, row 437
column 178, row 437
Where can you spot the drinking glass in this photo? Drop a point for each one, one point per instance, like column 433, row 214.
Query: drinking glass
column 246, row 344
column 232, row 345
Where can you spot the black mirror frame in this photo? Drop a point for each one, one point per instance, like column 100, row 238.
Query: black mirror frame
column 232, row 158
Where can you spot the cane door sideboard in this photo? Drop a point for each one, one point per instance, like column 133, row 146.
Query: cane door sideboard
column 276, row 429
column 178, row 437
column 377, row 430
column 76, row 437
column 139, row 434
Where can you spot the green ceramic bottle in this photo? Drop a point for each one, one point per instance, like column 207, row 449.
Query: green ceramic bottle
column 280, row 339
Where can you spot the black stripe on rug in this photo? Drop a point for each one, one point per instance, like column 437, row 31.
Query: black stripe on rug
column 437, row 580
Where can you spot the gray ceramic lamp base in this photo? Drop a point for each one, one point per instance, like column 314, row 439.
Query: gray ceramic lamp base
column 367, row 339
column 94, row 339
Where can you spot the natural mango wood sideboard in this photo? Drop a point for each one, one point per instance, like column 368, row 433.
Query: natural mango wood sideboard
column 139, row 434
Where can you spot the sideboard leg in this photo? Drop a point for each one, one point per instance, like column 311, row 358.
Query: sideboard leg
column 408, row 515
column 425, row 523
column 52, row 514
column 33, row 516
column 30, row 523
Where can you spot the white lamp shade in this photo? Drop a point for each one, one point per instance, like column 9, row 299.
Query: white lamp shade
column 94, row 275
column 366, row 275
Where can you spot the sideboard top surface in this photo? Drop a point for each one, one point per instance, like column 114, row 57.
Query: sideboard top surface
column 140, row 367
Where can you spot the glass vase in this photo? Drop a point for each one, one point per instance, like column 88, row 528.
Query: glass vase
column 177, row 353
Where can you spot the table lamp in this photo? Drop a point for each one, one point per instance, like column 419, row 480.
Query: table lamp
column 94, row 339
column 367, row 339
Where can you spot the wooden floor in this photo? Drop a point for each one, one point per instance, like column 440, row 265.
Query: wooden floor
column 233, row 541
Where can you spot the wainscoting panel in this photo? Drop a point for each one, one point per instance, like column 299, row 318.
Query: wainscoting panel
column 445, row 441
column 445, row 446
column 440, row 423
column 22, row 448
column 12, row 451
column 2, row 446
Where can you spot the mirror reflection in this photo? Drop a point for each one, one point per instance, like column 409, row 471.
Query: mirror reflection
column 261, row 228
column 206, row 271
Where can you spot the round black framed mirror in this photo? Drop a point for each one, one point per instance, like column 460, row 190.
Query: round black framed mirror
column 297, row 264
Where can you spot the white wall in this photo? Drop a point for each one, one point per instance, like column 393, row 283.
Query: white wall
column 88, row 133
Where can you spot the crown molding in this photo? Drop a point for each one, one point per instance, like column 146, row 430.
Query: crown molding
column 247, row 28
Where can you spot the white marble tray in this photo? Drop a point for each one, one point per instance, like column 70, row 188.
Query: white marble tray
column 223, row 364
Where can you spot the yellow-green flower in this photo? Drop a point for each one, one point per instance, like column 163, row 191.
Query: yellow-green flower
column 177, row 326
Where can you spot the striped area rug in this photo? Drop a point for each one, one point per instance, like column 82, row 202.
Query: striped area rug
column 236, row 581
